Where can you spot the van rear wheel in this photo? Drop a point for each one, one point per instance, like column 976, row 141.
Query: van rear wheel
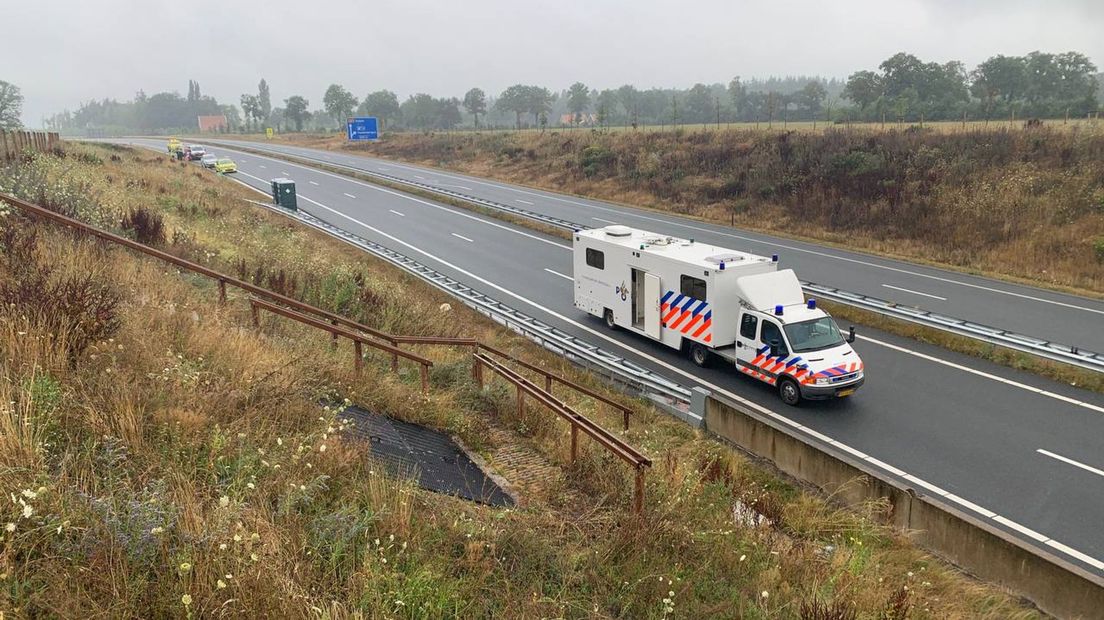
column 789, row 392
column 699, row 355
column 609, row 319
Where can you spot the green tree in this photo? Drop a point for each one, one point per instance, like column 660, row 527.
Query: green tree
column 233, row 118
column 738, row 94
column 339, row 103
column 810, row 99
column 514, row 99
column 578, row 100
column 448, row 112
column 295, row 110
column 382, row 104
column 251, row 108
column 629, row 98
column 475, row 102
column 863, row 88
column 698, row 104
column 1000, row 77
column 264, row 100
column 538, row 100
column 11, row 106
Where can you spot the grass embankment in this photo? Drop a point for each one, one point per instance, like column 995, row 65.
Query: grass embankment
column 162, row 459
column 1022, row 204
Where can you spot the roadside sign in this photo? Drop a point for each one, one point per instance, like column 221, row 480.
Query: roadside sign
column 363, row 128
column 268, row 132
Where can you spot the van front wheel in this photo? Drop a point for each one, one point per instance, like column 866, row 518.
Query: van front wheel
column 789, row 391
column 610, row 323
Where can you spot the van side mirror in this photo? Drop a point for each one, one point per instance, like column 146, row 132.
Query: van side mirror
column 775, row 348
column 851, row 335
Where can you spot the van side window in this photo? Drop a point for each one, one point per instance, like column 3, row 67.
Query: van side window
column 771, row 332
column 596, row 258
column 748, row 325
column 693, row 287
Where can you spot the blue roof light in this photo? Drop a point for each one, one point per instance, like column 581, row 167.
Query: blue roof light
column 811, row 304
column 778, row 310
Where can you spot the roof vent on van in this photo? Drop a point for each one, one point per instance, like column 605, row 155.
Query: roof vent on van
column 717, row 259
column 618, row 230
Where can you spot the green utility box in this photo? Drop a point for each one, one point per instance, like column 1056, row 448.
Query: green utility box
column 283, row 193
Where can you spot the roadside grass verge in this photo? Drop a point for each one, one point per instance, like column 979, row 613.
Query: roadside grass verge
column 163, row 459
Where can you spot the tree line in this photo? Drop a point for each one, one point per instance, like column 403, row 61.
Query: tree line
column 903, row 88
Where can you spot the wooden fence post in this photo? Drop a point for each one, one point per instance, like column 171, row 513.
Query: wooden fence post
column 638, row 498
column 425, row 380
column 359, row 359
column 520, row 402
column 256, row 314
column 574, row 442
column 222, row 291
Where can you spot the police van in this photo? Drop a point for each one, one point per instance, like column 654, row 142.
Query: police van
column 712, row 302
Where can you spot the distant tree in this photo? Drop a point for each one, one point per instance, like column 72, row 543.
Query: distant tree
column 233, row 119
column 339, row 103
column 810, row 99
column 475, row 102
column 629, row 98
column 383, row 104
column 737, row 94
column 421, row 111
column 578, row 100
column 448, row 113
column 11, row 106
column 1000, row 77
column 863, row 88
column 264, row 100
column 697, row 104
column 251, row 108
column 607, row 100
column 295, row 110
column 514, row 99
column 538, row 100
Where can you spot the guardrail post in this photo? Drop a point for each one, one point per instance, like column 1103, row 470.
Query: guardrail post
column 638, row 496
column 477, row 372
column 625, row 418
column 333, row 335
column 574, row 442
column 520, row 402
column 395, row 361
column 359, row 361
column 222, row 291
column 548, row 383
column 425, row 379
column 256, row 314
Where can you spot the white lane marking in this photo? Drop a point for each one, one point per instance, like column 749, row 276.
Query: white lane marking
column 980, row 373
column 524, row 202
column 263, row 166
column 381, row 168
column 909, row 477
column 461, row 237
column 897, row 288
column 453, row 185
column 313, row 182
column 419, row 177
column 989, row 514
column 601, row 220
column 286, row 174
column 556, row 273
column 455, row 212
column 1065, row 459
column 349, row 195
column 629, row 212
column 397, row 213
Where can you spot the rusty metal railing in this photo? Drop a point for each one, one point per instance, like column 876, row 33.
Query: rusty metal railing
column 578, row 421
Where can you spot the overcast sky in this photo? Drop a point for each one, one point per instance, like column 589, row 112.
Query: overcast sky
column 61, row 53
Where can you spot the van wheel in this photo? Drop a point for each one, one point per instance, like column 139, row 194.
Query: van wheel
column 609, row 319
column 789, row 392
column 699, row 355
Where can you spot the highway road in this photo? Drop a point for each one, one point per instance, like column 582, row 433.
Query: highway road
column 1015, row 449
column 1031, row 311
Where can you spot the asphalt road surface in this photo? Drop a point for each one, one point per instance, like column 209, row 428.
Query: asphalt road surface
column 1013, row 448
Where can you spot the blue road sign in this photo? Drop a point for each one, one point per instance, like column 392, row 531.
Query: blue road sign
column 363, row 128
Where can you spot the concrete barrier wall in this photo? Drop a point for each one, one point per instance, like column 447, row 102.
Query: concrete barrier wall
column 1053, row 584
column 13, row 143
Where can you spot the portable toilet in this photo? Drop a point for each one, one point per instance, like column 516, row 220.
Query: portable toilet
column 283, row 193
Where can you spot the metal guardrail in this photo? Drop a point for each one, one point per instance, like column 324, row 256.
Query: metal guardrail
column 615, row 367
column 1059, row 352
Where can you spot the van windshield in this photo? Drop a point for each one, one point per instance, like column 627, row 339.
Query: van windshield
column 813, row 335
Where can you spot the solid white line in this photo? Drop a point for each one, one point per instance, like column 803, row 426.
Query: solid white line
column 263, row 166
column 461, row 237
column 419, row 177
column 286, row 174
column 1070, row 461
column 897, row 288
column 426, row 203
column 1026, row 531
column 381, row 168
column 452, row 185
column 397, row 213
column 986, row 375
column 556, row 273
column 313, row 182
column 989, row 514
column 1077, row 554
column 601, row 220
column 524, row 202
column 349, row 195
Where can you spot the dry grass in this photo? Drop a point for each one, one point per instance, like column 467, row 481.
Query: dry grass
column 1016, row 203
column 175, row 466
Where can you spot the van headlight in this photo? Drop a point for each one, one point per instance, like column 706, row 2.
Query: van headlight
column 823, row 380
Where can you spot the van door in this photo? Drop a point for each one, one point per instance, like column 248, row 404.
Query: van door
column 747, row 339
column 651, row 305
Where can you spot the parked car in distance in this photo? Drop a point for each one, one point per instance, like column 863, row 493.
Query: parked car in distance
column 225, row 165
column 194, row 152
column 208, row 161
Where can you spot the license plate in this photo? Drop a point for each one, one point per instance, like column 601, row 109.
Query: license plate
column 846, row 392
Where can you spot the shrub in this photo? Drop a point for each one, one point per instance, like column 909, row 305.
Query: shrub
column 146, row 226
column 595, row 160
column 1098, row 248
